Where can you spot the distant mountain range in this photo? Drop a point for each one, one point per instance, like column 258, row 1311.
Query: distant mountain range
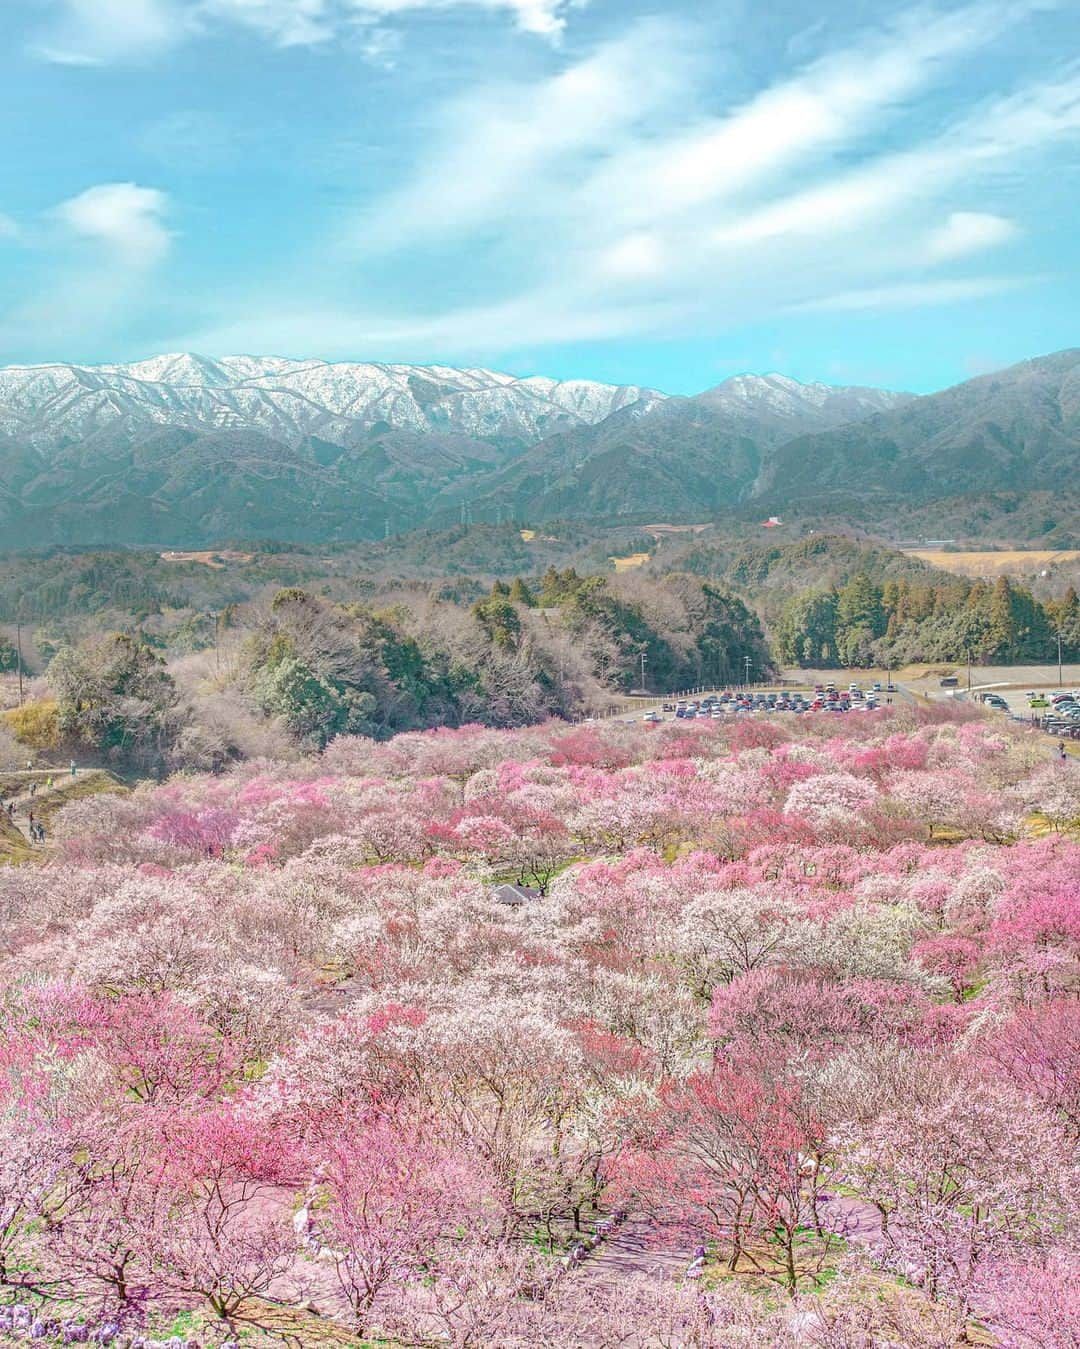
column 183, row 450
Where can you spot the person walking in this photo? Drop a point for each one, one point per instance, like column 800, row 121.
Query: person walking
column 74, row 770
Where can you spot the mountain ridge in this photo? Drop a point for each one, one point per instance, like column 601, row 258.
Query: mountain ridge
column 187, row 449
column 295, row 398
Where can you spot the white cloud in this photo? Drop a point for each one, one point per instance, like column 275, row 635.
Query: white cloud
column 835, row 101
column 8, row 227
column 510, row 151
column 544, row 17
column 629, row 193
column 639, row 254
column 913, row 294
column 288, row 23
column 574, row 200
column 604, row 151
column 966, row 232
column 99, row 32
column 125, row 218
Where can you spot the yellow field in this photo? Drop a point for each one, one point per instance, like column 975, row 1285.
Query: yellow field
column 994, row 563
column 629, row 561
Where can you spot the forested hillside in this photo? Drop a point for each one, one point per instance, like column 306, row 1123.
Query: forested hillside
column 295, row 670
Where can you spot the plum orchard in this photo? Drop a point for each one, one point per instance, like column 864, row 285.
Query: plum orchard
column 805, row 995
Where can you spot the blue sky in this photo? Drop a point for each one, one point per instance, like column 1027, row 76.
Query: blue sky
column 664, row 193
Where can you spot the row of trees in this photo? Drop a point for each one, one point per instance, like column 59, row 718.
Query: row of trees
column 869, row 623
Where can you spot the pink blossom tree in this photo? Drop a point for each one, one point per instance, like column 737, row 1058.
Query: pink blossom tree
column 387, row 1194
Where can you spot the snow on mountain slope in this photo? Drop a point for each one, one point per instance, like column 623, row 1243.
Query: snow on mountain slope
column 290, row 400
column 783, row 398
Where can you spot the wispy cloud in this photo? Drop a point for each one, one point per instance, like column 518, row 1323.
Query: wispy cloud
column 913, row 294
column 103, row 246
column 614, row 185
column 967, row 232
column 103, row 32
column 506, row 152
column 100, row 32
column 544, row 17
column 596, row 202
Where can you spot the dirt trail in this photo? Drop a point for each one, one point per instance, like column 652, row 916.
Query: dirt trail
column 639, row 1246
column 15, row 788
column 46, row 801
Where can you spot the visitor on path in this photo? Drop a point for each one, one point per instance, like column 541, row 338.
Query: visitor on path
column 29, row 765
column 74, row 770
column 1061, row 751
column 49, row 783
column 33, row 789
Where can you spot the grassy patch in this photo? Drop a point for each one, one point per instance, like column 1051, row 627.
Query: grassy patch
column 14, row 847
column 94, row 782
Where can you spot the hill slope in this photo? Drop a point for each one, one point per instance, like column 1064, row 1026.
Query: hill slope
column 1018, row 429
column 676, row 456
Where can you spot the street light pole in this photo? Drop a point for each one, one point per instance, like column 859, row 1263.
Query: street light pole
column 643, row 670
column 1059, row 656
column 747, row 662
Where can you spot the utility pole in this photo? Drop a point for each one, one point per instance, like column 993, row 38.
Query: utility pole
column 747, row 662
column 1058, row 634
column 968, row 654
column 643, row 669
column 18, row 649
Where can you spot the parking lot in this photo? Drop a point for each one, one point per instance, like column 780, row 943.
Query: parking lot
column 821, row 698
column 1055, row 711
column 1052, row 708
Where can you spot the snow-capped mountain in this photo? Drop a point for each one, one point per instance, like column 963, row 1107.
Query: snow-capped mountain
column 182, row 448
column 785, row 401
column 290, row 400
